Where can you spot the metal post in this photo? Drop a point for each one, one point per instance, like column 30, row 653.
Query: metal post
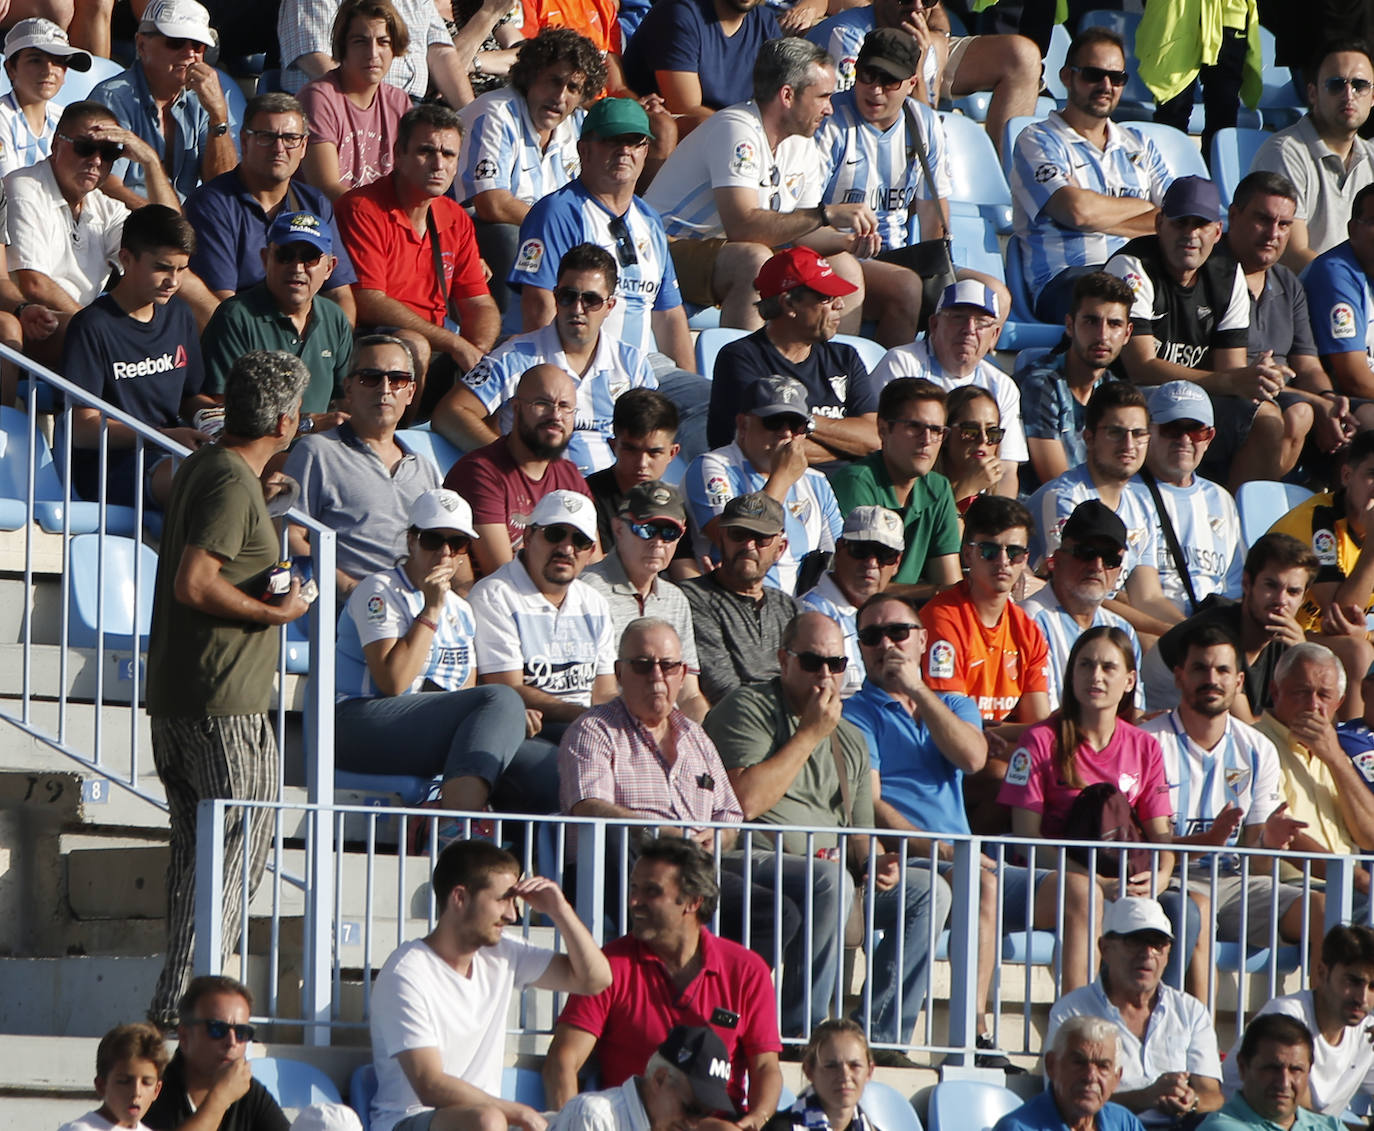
column 210, row 884
column 591, row 888
column 966, row 880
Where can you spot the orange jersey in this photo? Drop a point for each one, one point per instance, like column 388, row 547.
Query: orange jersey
column 993, row 666
column 598, row 20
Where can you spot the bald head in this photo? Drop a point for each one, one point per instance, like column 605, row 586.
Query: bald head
column 546, row 381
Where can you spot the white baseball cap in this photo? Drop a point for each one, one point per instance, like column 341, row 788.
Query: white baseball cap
column 875, row 524
column 49, row 39
column 571, row 507
column 442, row 509
column 1135, row 913
column 178, row 19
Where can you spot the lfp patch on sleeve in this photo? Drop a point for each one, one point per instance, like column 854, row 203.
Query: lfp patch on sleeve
column 942, row 660
column 1342, row 320
column 530, row 257
column 1018, row 771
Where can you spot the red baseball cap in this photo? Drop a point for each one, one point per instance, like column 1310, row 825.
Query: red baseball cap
column 800, row 267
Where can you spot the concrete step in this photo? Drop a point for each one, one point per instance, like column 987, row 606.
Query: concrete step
column 46, row 555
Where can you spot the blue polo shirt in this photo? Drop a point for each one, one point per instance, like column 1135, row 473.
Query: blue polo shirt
column 231, row 231
column 128, row 96
column 1041, row 1114
column 919, row 782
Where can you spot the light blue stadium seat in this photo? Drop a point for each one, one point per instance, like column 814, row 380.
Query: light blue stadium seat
column 1228, row 957
column 233, row 94
column 78, row 86
column 1038, row 946
column 1055, row 58
column 1010, row 132
column 888, row 1108
column 362, row 1087
column 702, row 317
column 424, row 441
column 86, row 580
column 294, row 1083
column 1262, row 503
column 709, row 342
column 1233, row 151
column 524, row 1086
column 385, row 788
column 969, row 1105
column 1180, row 153
column 978, row 183
column 868, row 350
column 786, row 1098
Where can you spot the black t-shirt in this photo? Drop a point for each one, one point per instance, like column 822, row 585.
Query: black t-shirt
column 1259, row 676
column 836, row 380
column 256, row 1111
column 144, row 368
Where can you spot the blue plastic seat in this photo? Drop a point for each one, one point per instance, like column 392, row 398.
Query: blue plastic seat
column 1262, row 503
column 1228, row 957
column 1179, row 151
column 294, row 1083
column 1037, row 946
column 709, row 342
column 888, row 1109
column 362, row 1088
column 702, row 317
column 1010, row 132
column 411, row 790
column 424, row 441
column 977, row 181
column 969, row 1105
column 869, row 351
column 1233, row 152
column 1055, row 58
column 524, row 1086
column 86, row 580
column 77, row 86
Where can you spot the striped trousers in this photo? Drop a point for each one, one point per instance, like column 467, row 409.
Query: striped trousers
column 232, row 757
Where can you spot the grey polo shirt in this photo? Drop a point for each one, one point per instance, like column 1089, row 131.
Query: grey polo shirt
column 1326, row 185
column 665, row 601
column 737, row 637
column 345, row 485
column 1278, row 319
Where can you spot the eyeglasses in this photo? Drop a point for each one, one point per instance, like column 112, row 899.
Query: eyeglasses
column 991, row 551
column 625, row 253
column 297, row 253
column 85, row 147
column 872, row 635
column 871, row 76
column 371, row 378
column 972, row 432
column 741, row 535
column 1177, row 429
column 1110, row 558
column 981, row 322
column 1095, row 75
column 569, row 297
column 862, row 551
column 644, row 665
column 1116, row 433
column 648, row 531
column 268, row 139
column 543, row 404
column 218, row 1030
column 557, row 535
column 781, row 421
column 813, row 661
column 1336, row 84
column 920, row 429
column 432, row 541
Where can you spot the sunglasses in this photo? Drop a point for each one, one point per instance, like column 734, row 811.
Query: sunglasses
column 862, row 551
column 972, row 432
column 873, row 635
column 814, row 661
column 644, row 665
column 218, row 1030
column 1337, row 83
column 648, row 531
column 569, row 297
column 625, row 253
column 992, row 551
column 371, row 378
column 739, row 534
column 297, row 253
column 1110, row 558
column 872, row 76
column 432, row 541
column 781, row 421
column 85, row 147
column 557, row 535
column 180, row 43
column 1177, row 429
column 268, row 139
column 1095, row 75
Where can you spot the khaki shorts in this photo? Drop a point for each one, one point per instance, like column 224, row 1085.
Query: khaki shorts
column 958, row 47
column 695, row 264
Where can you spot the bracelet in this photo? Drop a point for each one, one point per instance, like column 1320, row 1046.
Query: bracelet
column 429, row 624
column 23, row 306
column 825, row 220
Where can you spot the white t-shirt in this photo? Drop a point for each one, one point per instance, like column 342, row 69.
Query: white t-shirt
column 617, row 1109
column 420, row 1002
column 94, row 1121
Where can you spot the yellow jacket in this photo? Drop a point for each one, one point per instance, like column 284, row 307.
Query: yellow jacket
column 1176, row 37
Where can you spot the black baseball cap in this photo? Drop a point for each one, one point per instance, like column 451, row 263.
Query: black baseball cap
column 1093, row 521
column 700, row 1055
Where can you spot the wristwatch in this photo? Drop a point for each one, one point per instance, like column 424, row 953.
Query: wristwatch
column 306, row 426
column 219, row 129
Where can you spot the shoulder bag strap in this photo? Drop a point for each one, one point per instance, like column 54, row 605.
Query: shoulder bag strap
column 1170, row 537
column 916, row 144
column 846, row 794
column 438, row 254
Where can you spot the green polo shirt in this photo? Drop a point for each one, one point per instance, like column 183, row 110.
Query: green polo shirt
column 930, row 519
column 251, row 321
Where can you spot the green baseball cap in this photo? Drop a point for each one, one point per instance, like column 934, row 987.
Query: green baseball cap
column 615, row 117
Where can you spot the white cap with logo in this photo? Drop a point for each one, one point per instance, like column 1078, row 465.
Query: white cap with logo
column 49, row 39
column 178, row 19
column 442, row 509
column 1135, row 913
column 571, row 507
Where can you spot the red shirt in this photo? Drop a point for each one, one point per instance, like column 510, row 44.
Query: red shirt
column 389, row 257
column 632, row 1018
column 498, row 491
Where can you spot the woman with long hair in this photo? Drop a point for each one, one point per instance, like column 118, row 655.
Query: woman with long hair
column 970, row 457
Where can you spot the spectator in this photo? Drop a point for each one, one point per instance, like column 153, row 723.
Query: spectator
column 406, row 631
column 210, row 664
column 398, row 284
column 520, row 141
column 281, row 313
column 1275, row 1061
column 352, row 111
column 359, row 479
column 137, row 349
column 673, row 894
column 600, row 366
column 1357, row 736
column 1278, row 569
column 439, row 1004
column 506, row 479
column 962, row 331
column 911, row 426
column 129, row 1062
column 837, row 1065
column 1338, row 290
column 786, row 746
column 738, row 619
column 1055, row 389
column 1083, row 570
column 1083, row 1068
column 233, row 212
column 1081, row 185
column 1190, row 322
column 1170, row 1066
column 170, row 97
column 1335, row 1010
column 599, row 206
column 1116, row 433
column 652, row 519
column 970, row 457
column 548, row 634
column 37, row 58
column 866, row 557
column 769, row 457
column 644, row 444
column 1323, row 154
column 799, row 301
column 208, row 1080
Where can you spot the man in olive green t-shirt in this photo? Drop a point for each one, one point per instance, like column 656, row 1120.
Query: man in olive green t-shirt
column 911, row 425
column 211, row 654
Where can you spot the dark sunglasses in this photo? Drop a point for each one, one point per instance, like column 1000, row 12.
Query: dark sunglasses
column 1177, row 429
column 569, row 297
column 1337, row 83
column 1110, row 558
column 814, row 661
column 972, row 432
column 1095, row 75
column 739, row 534
column 625, row 252
column 644, row 665
column 872, row 76
column 180, row 43
column 85, row 147
column 297, row 253
column 991, row 551
column 862, row 551
column 218, row 1030
column 873, row 635
column 648, row 531
column 371, row 378
column 781, row 421
column 433, row 541
column 557, row 535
